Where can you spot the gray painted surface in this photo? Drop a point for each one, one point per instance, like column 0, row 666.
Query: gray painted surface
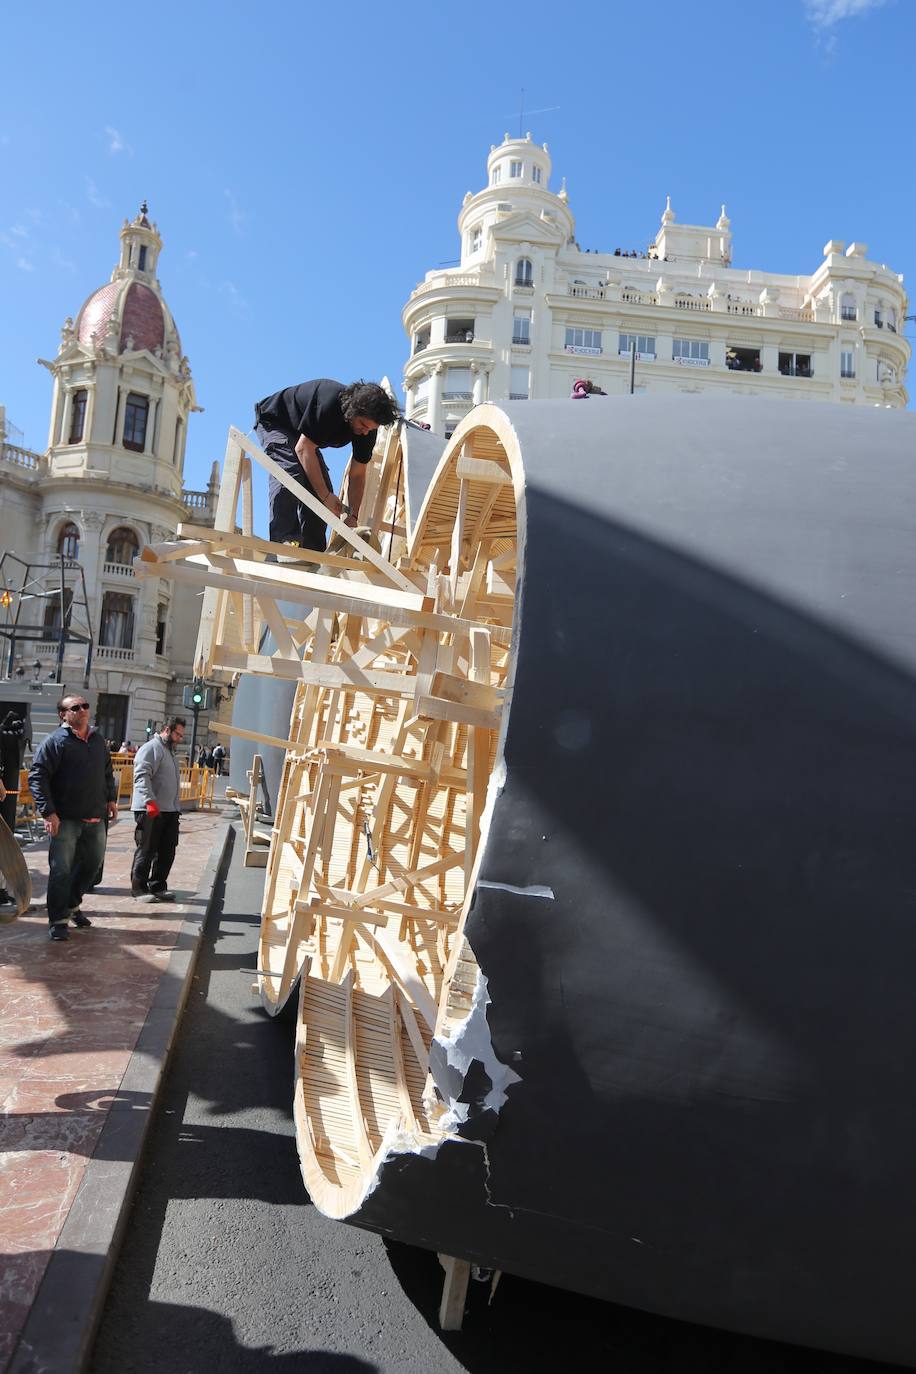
column 709, row 761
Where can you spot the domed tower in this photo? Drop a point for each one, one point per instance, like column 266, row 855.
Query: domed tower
column 123, row 389
column 471, row 326
column 123, row 393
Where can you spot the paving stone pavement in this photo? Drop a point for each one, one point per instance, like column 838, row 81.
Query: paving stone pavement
column 70, row 1018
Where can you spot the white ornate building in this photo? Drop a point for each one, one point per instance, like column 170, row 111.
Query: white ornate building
column 528, row 312
column 109, row 483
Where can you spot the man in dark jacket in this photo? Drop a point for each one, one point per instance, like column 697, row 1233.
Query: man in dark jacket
column 73, row 784
column 294, row 425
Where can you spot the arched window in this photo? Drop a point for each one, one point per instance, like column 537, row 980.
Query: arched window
column 847, row 306
column 135, row 417
column 524, row 272
column 123, row 546
column 142, row 262
column 68, row 541
column 78, row 415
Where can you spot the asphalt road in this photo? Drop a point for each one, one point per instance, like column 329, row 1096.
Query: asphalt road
column 226, row 1265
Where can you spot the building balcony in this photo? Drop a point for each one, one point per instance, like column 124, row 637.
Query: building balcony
column 457, row 396
column 639, row 297
column 448, row 281
column 33, row 464
column 586, row 293
column 701, row 303
column 586, row 351
column 196, row 500
column 114, row 655
column 118, row 569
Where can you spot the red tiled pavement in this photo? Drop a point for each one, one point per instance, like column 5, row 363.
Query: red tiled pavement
column 70, row 1015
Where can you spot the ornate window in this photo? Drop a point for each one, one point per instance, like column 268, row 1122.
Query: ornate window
column 68, row 541
column 116, row 624
column 524, row 272
column 52, row 615
column 141, row 264
column 521, row 327
column 847, row 306
column 519, row 383
column 78, row 415
column 582, row 340
column 161, row 617
column 136, row 414
column 123, row 546
column 515, row 169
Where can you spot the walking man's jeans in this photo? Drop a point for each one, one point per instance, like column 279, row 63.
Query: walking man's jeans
column 156, row 838
column 75, row 856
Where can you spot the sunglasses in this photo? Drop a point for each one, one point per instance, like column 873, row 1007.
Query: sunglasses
column 78, row 706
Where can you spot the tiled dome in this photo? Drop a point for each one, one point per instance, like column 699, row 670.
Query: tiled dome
column 141, row 315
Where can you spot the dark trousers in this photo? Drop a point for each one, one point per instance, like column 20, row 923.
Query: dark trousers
column 289, row 518
column 75, row 855
column 156, row 838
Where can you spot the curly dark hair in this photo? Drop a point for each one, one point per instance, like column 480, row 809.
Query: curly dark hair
column 369, row 400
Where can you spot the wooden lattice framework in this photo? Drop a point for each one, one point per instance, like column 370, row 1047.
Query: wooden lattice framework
column 402, row 658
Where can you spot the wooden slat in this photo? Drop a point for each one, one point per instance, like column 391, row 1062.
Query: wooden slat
column 302, row 494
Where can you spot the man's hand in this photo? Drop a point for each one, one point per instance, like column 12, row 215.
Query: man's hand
column 334, row 504
column 52, row 824
column 112, row 812
column 152, row 808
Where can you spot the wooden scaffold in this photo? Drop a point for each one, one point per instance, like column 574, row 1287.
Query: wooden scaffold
column 402, row 663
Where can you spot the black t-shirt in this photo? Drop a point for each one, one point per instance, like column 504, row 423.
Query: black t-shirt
column 313, row 409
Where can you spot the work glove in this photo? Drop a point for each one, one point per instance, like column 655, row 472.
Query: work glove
column 152, row 809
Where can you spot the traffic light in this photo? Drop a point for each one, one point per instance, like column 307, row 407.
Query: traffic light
column 196, row 696
column 149, row 728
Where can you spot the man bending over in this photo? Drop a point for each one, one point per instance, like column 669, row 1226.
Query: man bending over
column 294, row 425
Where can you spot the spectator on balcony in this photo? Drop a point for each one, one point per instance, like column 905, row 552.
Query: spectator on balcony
column 156, row 804
column 75, row 792
column 294, row 425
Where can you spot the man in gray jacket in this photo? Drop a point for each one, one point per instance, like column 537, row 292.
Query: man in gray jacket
column 155, row 804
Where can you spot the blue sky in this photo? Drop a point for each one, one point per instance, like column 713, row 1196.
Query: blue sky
column 306, row 164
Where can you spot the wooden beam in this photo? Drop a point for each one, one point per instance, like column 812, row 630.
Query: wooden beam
column 482, row 470
column 302, row 494
column 347, row 596
column 258, row 738
column 439, row 709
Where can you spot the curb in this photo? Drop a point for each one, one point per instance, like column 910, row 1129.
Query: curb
column 58, row 1333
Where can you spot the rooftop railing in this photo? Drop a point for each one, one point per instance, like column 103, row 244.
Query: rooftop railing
column 23, row 458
